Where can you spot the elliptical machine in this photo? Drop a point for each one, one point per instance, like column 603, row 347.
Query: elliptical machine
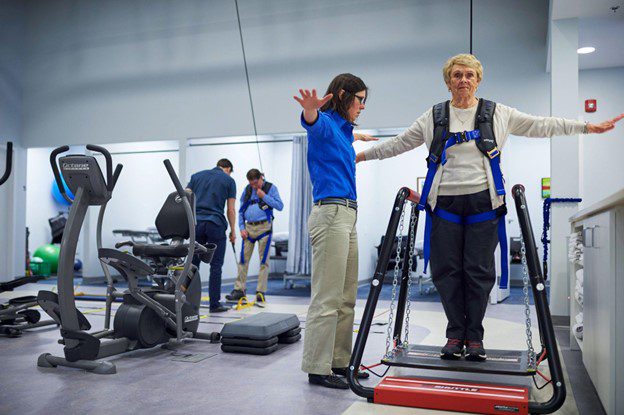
column 16, row 315
column 147, row 317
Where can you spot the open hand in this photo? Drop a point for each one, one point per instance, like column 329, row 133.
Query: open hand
column 364, row 137
column 604, row 126
column 309, row 101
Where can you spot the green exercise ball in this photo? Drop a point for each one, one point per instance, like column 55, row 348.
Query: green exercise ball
column 49, row 253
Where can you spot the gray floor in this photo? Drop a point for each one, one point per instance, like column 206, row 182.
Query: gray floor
column 150, row 382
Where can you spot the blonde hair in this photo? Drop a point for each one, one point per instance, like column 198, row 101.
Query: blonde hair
column 464, row 59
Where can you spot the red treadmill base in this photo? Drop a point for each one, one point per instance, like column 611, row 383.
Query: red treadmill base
column 453, row 396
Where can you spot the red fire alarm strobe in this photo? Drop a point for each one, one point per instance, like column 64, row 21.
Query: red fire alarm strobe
column 590, row 105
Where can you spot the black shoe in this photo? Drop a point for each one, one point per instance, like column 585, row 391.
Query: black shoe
column 475, row 351
column 235, row 295
column 342, row 371
column 259, row 297
column 328, row 381
column 219, row 309
column 452, row 350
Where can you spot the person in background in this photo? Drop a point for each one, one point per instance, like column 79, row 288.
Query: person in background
column 255, row 220
column 214, row 188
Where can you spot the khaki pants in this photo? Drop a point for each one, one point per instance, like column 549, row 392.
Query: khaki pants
column 263, row 276
column 329, row 324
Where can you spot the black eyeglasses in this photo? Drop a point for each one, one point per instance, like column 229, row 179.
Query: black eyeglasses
column 361, row 99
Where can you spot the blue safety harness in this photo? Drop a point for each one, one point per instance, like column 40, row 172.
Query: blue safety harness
column 268, row 210
column 483, row 135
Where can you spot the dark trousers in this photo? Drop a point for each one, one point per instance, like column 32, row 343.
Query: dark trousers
column 205, row 232
column 462, row 264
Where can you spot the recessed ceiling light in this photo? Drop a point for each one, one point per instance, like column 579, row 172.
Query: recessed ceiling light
column 585, row 50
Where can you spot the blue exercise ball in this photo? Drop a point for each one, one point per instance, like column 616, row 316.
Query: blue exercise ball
column 56, row 193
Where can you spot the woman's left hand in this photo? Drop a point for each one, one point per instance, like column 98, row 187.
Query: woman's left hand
column 604, row 126
column 364, row 137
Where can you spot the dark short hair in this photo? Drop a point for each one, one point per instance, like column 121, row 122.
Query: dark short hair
column 348, row 83
column 253, row 174
column 225, row 164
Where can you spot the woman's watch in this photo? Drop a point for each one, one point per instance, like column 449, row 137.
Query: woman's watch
column 585, row 129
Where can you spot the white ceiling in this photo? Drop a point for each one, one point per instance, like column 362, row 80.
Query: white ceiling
column 599, row 26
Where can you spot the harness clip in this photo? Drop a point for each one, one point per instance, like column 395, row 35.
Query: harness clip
column 493, row 153
column 462, row 137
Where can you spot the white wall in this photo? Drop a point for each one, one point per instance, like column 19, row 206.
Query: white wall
column 130, row 70
column 603, row 169
column 12, row 193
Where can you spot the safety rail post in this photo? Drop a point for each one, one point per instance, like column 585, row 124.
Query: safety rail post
column 376, row 284
column 541, row 305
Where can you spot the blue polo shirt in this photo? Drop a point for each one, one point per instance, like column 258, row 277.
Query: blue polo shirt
column 331, row 157
column 212, row 189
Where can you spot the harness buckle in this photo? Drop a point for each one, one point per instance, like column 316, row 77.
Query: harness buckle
column 493, row 153
column 462, row 137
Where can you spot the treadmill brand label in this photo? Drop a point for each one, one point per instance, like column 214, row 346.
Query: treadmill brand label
column 76, row 166
column 456, row 388
column 506, row 408
column 191, row 318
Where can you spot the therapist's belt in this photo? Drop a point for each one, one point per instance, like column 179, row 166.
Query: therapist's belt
column 338, row 201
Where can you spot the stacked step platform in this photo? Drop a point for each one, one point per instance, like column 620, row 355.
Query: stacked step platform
column 260, row 334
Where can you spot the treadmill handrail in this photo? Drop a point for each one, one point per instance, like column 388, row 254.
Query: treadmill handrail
column 57, row 174
column 9, row 163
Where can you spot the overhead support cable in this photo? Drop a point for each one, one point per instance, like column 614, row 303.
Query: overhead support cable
column 253, row 115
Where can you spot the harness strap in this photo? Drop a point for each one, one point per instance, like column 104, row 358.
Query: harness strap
column 253, row 241
column 469, row 220
column 458, row 138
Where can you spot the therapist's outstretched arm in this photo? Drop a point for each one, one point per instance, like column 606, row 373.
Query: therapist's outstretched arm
column 311, row 103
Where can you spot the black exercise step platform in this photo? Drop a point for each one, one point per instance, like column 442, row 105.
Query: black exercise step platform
column 260, row 351
column 259, row 334
column 501, row 362
column 261, row 326
column 232, row 341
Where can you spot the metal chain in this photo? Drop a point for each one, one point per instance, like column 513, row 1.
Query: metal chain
column 527, row 309
column 394, row 285
column 409, row 275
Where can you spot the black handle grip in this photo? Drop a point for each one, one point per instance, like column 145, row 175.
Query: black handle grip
column 9, row 163
column 116, row 174
column 518, row 188
column 109, row 163
column 124, row 243
column 174, row 179
column 57, row 174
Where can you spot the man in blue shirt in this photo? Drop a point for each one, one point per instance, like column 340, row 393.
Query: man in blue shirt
column 255, row 220
column 212, row 189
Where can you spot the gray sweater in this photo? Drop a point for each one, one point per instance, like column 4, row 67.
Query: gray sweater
column 467, row 170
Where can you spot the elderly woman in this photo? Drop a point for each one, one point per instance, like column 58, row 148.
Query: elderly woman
column 464, row 193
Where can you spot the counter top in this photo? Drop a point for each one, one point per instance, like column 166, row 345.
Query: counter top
column 605, row 204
